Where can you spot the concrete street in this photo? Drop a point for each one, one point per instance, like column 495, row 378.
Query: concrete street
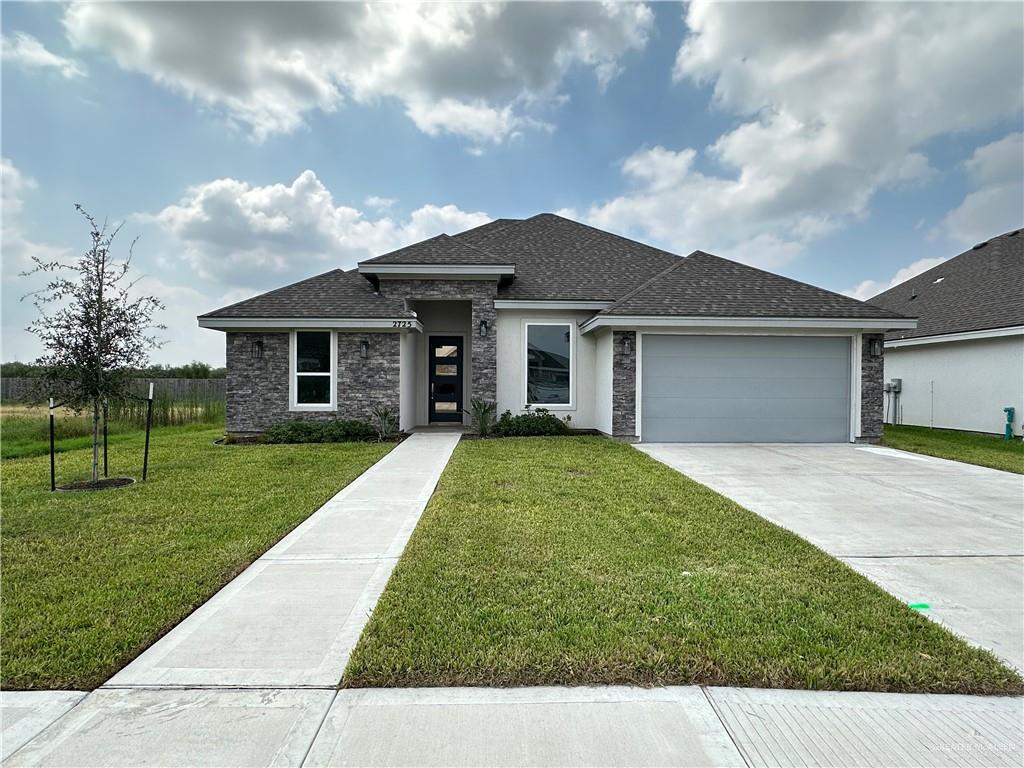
column 931, row 531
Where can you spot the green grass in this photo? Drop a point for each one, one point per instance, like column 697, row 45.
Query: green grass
column 970, row 447
column 25, row 430
column 582, row 561
column 91, row 579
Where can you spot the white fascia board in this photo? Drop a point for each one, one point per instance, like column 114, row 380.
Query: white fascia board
column 438, row 270
column 530, row 304
column 338, row 323
column 945, row 338
column 632, row 321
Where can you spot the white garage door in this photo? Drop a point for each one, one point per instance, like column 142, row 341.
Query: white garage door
column 745, row 389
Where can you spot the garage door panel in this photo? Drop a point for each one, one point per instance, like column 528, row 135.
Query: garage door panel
column 720, row 408
column 736, row 430
column 745, row 388
column 737, row 386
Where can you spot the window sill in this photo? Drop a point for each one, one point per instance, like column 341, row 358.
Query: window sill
column 551, row 406
column 313, row 408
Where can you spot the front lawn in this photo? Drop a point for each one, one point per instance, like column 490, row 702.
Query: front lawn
column 551, row 561
column 970, row 447
column 91, row 579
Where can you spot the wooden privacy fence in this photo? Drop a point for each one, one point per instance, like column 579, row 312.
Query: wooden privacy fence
column 17, row 390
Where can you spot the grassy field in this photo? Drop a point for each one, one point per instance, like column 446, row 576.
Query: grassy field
column 549, row 561
column 970, row 447
column 25, row 429
column 91, row 579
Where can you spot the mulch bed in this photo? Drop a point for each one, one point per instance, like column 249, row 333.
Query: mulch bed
column 100, row 485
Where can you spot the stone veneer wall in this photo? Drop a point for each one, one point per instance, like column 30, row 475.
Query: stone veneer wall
column 624, row 385
column 480, row 293
column 871, row 394
column 257, row 390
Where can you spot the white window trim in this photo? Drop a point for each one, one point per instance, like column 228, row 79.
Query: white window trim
column 571, row 405
column 293, row 374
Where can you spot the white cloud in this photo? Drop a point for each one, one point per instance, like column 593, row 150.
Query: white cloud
column 474, row 70
column 379, row 203
column 26, row 51
column 996, row 203
column 19, row 250
column 836, row 99
column 869, row 288
column 252, row 235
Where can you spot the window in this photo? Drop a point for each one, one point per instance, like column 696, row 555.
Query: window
column 313, row 370
column 549, row 363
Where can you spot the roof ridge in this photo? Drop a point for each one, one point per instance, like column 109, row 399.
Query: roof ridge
column 646, row 283
column 603, row 232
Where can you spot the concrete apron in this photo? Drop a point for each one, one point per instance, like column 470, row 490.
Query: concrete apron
column 932, row 532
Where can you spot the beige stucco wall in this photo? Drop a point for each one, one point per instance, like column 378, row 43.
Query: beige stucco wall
column 511, row 353
column 603, row 382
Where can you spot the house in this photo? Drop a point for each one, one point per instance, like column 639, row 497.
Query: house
column 964, row 363
column 624, row 338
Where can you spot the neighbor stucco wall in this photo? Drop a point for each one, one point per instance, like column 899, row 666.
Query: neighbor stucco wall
column 257, row 388
column 511, row 354
column 603, row 382
column 959, row 385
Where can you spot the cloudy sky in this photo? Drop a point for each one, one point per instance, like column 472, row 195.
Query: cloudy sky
column 847, row 145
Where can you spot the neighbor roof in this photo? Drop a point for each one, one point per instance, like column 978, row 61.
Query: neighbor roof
column 702, row 285
column 333, row 294
column 981, row 289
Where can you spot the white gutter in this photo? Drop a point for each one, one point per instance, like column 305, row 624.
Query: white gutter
column 438, row 270
column 553, row 304
column 632, row 321
column 993, row 333
column 292, row 323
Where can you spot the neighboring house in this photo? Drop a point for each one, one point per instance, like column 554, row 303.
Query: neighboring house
column 624, row 338
column 964, row 362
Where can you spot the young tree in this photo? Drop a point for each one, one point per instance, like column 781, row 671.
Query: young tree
column 93, row 331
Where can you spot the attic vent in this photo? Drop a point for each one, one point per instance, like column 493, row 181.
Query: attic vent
column 938, row 279
column 979, row 246
column 913, row 296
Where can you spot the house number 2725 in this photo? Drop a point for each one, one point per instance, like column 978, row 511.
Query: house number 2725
column 401, row 323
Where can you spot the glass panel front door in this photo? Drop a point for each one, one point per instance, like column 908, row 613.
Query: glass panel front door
column 445, row 361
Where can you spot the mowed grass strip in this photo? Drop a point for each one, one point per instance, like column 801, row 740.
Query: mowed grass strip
column 970, row 447
column 91, row 579
column 570, row 561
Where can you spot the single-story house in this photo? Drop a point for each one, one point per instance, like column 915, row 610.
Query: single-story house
column 544, row 312
column 964, row 363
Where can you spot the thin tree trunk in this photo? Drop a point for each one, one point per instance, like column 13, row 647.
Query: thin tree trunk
column 95, row 441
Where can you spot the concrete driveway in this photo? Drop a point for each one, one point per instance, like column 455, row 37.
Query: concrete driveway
column 927, row 530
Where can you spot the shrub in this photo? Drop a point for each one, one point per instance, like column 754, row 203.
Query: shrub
column 540, row 422
column 385, row 422
column 299, row 431
column 481, row 415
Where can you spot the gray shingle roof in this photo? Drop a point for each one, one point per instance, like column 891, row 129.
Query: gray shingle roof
column 333, row 294
column 980, row 289
column 702, row 285
column 442, row 249
column 557, row 258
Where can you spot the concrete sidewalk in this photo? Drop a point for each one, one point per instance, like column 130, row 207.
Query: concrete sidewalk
column 292, row 618
column 607, row 726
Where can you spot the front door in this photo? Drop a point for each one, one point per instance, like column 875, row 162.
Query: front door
column 445, row 360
